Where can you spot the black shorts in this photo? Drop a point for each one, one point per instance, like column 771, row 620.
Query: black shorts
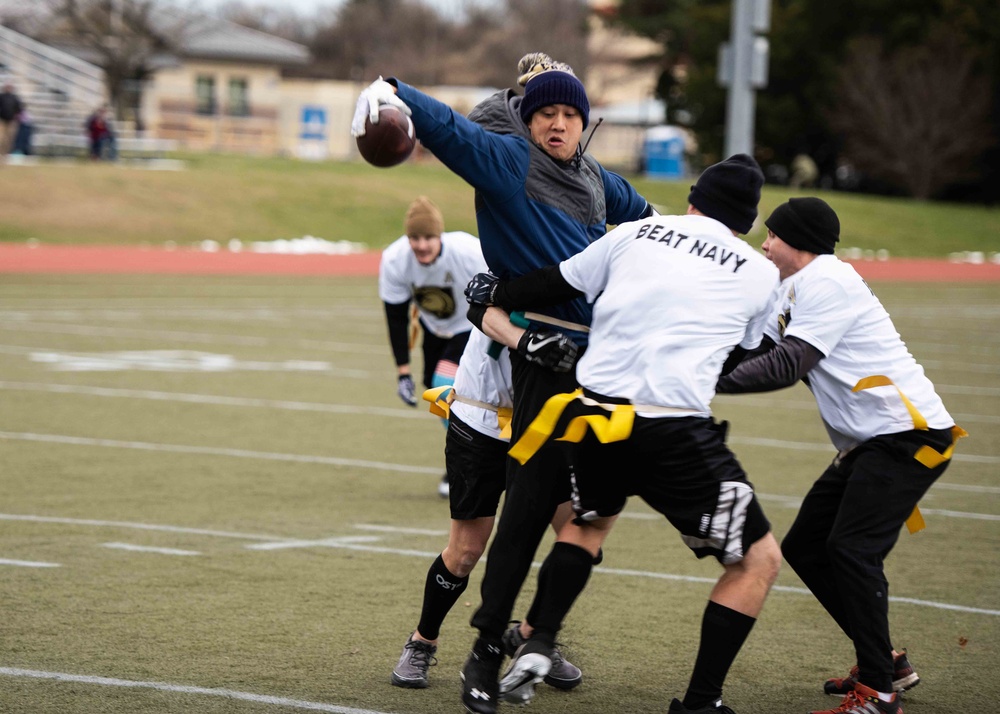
column 682, row 468
column 437, row 348
column 477, row 471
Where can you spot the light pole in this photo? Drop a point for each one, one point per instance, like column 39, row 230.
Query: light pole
column 743, row 69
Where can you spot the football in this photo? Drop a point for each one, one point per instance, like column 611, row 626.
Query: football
column 389, row 142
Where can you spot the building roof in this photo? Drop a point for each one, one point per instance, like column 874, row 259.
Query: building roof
column 187, row 36
column 210, row 38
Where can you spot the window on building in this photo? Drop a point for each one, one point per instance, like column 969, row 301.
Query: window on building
column 205, row 94
column 239, row 97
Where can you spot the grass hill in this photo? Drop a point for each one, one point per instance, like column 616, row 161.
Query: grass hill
column 256, row 199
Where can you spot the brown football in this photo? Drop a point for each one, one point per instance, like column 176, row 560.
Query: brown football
column 389, row 142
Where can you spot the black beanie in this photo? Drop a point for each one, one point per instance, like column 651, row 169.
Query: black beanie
column 554, row 87
column 729, row 192
column 806, row 224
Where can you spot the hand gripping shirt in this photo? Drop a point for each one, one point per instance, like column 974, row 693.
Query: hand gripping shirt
column 484, row 379
column 438, row 288
column 828, row 305
column 531, row 210
column 674, row 295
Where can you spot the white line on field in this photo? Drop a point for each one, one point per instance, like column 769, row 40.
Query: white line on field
column 345, row 544
column 817, row 446
column 810, row 405
column 214, row 399
column 959, row 514
column 139, row 526
column 963, row 389
column 196, row 337
column 385, row 466
column 321, row 543
column 149, row 549
column 28, row 563
column 396, row 529
column 970, row 489
column 216, row 451
column 182, row 689
column 328, row 408
column 333, row 543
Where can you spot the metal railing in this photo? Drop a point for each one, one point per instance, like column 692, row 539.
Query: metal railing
column 78, row 82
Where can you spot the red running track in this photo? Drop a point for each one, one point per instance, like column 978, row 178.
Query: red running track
column 19, row 258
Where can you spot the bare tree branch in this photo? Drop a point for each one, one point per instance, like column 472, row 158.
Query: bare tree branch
column 917, row 118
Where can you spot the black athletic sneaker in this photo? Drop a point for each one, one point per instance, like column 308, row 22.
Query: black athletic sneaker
column 480, row 689
column 676, row 707
column 562, row 675
column 411, row 670
column 903, row 677
column 530, row 665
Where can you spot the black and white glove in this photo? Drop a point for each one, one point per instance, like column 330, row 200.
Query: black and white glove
column 406, row 390
column 552, row 350
column 482, row 289
column 376, row 94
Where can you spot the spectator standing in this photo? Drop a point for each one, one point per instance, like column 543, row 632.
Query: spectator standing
column 10, row 109
column 25, row 129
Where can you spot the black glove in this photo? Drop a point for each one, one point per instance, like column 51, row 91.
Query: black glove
column 406, row 390
column 481, row 289
column 552, row 350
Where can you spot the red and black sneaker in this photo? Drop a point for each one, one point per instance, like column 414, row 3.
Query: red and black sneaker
column 903, row 677
column 864, row 700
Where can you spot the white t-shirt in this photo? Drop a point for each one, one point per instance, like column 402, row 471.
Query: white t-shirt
column 437, row 289
column 484, row 379
column 675, row 295
column 828, row 305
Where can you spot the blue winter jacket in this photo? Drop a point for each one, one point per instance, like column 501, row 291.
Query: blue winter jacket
column 532, row 210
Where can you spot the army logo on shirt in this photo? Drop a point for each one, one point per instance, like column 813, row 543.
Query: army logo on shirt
column 785, row 318
column 437, row 301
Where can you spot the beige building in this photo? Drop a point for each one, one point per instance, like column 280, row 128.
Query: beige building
column 222, row 88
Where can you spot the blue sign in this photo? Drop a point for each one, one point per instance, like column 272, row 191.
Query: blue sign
column 313, row 123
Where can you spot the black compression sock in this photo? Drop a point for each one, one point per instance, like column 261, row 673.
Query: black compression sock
column 561, row 579
column 441, row 592
column 723, row 632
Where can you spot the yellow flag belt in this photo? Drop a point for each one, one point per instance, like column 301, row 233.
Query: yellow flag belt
column 926, row 455
column 441, row 399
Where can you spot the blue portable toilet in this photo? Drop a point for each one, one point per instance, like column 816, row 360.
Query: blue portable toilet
column 663, row 149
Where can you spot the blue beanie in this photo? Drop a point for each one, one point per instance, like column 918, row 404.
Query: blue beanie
column 554, row 87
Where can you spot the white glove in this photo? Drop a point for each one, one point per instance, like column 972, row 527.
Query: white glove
column 372, row 97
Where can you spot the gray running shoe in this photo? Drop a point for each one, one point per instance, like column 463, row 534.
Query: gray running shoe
column 562, row 675
column 411, row 670
column 530, row 665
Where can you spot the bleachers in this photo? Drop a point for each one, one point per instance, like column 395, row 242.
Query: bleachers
column 78, row 145
column 60, row 92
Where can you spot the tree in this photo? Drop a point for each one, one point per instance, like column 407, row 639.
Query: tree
column 917, row 118
column 368, row 37
column 810, row 41
column 278, row 20
column 120, row 37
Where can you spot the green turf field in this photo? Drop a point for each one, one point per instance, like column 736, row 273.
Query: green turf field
column 229, row 496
